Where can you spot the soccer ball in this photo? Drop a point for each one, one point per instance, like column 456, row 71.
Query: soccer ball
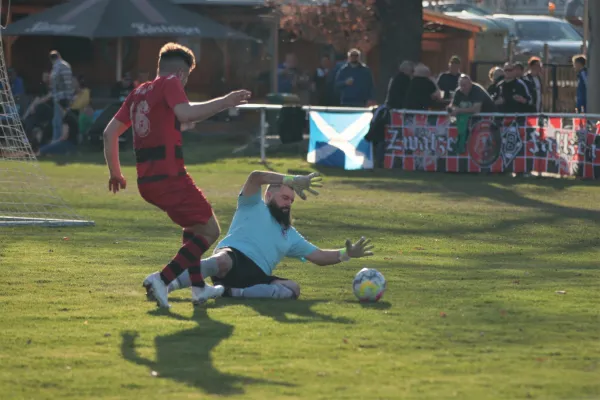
column 369, row 285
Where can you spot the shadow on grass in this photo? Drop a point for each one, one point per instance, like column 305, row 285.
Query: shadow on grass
column 455, row 187
column 380, row 305
column 286, row 311
column 497, row 188
column 451, row 177
column 186, row 356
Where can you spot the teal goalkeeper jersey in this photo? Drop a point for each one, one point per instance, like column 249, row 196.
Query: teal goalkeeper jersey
column 260, row 237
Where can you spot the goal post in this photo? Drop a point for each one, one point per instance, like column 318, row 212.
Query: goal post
column 26, row 196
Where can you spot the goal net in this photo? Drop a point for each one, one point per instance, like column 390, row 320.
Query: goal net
column 26, row 196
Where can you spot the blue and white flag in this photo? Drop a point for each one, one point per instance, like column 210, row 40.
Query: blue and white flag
column 338, row 140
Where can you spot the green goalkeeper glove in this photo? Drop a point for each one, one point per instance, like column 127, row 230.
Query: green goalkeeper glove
column 362, row 248
column 300, row 183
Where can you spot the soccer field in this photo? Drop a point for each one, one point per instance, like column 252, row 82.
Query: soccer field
column 493, row 293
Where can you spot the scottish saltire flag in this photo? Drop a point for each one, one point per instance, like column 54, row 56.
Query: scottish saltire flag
column 338, row 140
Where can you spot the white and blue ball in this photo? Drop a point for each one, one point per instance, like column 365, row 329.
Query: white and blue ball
column 369, row 285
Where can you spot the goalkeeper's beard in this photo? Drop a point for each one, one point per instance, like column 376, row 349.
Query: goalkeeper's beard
column 281, row 215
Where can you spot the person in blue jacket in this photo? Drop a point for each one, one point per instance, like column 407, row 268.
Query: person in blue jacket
column 333, row 92
column 354, row 81
column 579, row 63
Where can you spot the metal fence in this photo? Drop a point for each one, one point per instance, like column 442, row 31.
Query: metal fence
column 263, row 129
column 264, row 124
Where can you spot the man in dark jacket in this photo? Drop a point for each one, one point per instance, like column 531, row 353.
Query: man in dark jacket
column 513, row 97
column 529, row 85
column 399, row 86
column 332, row 91
column 319, row 81
column 422, row 92
column 396, row 94
column 534, row 76
column 355, row 82
column 448, row 81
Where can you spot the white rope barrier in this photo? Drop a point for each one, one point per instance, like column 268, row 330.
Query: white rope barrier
column 422, row 112
column 306, row 108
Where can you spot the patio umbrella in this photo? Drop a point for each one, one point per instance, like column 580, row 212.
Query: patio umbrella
column 121, row 18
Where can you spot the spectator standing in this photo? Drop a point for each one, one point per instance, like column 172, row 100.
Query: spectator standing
column 529, row 85
column 288, row 75
column 496, row 76
column 355, row 82
column 396, row 94
column 513, row 97
column 398, row 86
column 534, row 75
column 448, row 81
column 579, row 63
column 61, row 87
column 319, row 81
column 422, row 91
column 332, row 90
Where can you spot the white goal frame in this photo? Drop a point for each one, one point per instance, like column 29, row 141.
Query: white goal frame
column 26, row 197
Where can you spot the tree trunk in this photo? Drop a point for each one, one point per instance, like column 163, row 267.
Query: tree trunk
column 593, row 96
column 400, row 38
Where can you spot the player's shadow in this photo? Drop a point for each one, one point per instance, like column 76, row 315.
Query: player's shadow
column 287, row 311
column 185, row 356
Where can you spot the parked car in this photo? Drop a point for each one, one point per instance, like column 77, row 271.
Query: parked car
column 453, row 7
column 490, row 42
column 530, row 33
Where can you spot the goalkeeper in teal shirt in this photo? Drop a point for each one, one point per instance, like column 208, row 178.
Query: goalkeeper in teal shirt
column 261, row 235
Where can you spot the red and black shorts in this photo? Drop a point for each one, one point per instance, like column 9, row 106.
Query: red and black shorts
column 180, row 198
column 244, row 272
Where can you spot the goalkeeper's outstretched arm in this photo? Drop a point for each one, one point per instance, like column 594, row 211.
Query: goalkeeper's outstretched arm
column 299, row 183
column 257, row 179
column 362, row 248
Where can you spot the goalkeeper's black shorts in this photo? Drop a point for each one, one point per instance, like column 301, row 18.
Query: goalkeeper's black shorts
column 244, row 272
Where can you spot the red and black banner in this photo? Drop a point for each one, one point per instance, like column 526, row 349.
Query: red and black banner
column 555, row 145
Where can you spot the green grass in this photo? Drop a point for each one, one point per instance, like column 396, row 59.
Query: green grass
column 473, row 265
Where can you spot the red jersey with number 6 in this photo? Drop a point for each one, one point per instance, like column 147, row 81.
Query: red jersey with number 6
column 156, row 129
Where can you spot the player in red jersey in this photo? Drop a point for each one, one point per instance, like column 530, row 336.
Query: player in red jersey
column 156, row 110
